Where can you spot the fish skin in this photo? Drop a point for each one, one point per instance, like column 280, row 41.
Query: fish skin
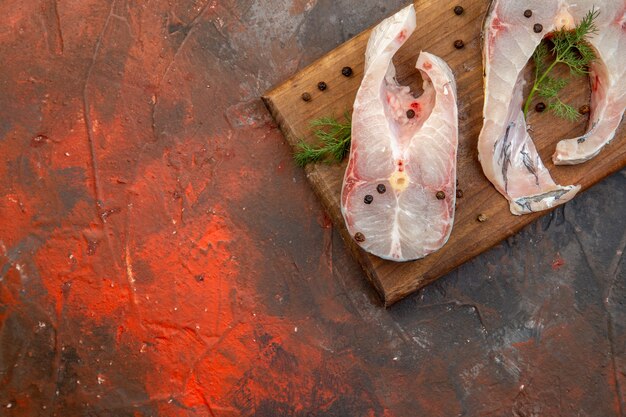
column 413, row 158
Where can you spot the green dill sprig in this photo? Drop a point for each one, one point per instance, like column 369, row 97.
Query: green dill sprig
column 334, row 138
column 571, row 48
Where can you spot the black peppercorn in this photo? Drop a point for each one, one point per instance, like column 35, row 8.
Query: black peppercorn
column 584, row 109
column 540, row 107
column 458, row 10
column 346, row 71
column 538, row 28
column 322, row 86
column 381, row 189
column 368, row 199
column 440, row 195
column 528, row 13
column 410, row 113
column 459, row 44
column 306, row 97
column 359, row 237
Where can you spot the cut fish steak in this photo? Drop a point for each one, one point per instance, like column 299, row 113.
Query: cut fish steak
column 608, row 86
column 399, row 188
column 507, row 153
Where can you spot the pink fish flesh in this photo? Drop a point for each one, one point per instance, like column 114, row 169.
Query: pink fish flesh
column 507, row 153
column 399, row 188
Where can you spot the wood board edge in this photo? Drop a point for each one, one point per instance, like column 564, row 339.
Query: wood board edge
column 319, row 188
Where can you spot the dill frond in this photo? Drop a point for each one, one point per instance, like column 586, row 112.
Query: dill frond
column 540, row 57
column 550, row 87
column 563, row 110
column 571, row 48
column 334, row 141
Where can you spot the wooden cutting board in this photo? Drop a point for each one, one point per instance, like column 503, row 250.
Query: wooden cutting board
column 437, row 29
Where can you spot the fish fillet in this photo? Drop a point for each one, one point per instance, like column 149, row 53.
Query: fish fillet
column 399, row 188
column 507, row 153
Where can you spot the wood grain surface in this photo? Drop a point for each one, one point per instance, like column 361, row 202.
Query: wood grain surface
column 437, row 29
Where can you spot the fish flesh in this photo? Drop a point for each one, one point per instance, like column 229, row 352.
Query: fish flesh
column 399, row 188
column 608, row 88
column 506, row 151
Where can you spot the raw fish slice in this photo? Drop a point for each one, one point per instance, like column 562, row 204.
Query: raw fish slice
column 608, row 82
column 506, row 151
column 399, row 164
column 510, row 161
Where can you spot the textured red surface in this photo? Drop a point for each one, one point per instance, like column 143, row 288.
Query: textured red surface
column 160, row 255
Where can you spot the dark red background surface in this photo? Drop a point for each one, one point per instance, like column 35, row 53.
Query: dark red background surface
column 161, row 255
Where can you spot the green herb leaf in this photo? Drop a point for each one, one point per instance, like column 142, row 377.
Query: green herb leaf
column 540, row 56
column 334, row 138
column 550, row 87
column 571, row 48
column 564, row 111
